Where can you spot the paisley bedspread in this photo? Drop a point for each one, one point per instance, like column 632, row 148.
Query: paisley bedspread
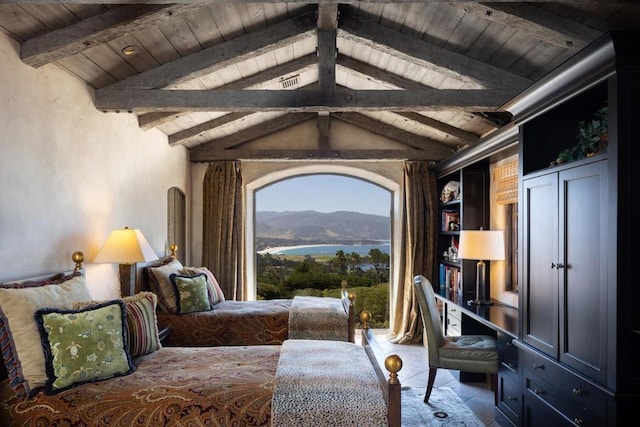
column 213, row 386
column 262, row 322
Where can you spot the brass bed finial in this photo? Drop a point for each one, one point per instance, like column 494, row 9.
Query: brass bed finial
column 365, row 316
column 174, row 248
column 393, row 363
column 78, row 258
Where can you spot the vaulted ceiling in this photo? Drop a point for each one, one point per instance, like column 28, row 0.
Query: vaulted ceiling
column 434, row 76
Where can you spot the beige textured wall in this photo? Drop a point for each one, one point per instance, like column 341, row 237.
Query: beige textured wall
column 69, row 174
column 499, row 222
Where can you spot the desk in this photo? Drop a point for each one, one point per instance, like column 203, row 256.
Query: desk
column 498, row 316
column 500, row 320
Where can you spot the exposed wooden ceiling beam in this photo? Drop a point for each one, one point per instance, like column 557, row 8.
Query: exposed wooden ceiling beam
column 327, row 50
column 467, row 137
column 59, row 44
column 193, row 132
column 367, row 70
column 213, row 2
column 222, row 146
column 410, row 139
column 422, row 53
column 147, row 121
column 324, row 123
column 309, row 155
column 207, row 150
column 539, row 23
column 301, row 100
column 223, row 55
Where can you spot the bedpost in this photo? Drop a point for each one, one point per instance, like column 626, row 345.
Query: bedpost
column 391, row 387
column 352, row 317
column 78, row 258
column 393, row 363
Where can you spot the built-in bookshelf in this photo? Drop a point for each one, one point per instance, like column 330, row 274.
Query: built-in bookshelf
column 463, row 205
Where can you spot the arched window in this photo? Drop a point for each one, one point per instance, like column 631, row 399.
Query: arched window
column 346, row 171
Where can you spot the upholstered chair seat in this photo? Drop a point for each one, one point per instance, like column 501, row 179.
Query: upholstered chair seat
column 469, row 353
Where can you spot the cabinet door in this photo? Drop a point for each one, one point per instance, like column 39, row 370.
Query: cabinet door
column 540, row 256
column 583, row 275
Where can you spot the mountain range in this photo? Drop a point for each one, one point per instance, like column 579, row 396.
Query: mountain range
column 312, row 227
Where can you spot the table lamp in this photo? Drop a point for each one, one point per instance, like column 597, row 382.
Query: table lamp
column 126, row 247
column 481, row 245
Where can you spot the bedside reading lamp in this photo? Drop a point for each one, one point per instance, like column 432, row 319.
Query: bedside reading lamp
column 481, row 245
column 126, row 247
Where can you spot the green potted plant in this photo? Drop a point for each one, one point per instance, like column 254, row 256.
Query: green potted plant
column 592, row 138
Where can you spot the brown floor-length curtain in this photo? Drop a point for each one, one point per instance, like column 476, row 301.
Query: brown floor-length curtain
column 419, row 231
column 223, row 227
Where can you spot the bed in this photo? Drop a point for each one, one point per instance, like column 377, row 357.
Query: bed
column 226, row 322
column 263, row 385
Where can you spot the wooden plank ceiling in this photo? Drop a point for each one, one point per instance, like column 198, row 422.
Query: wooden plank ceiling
column 216, row 75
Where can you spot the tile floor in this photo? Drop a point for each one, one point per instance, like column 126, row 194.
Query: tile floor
column 477, row 395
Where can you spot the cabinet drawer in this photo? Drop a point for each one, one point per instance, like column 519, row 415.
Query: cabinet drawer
column 535, row 388
column 538, row 413
column 508, row 354
column 569, row 384
column 510, row 398
column 454, row 320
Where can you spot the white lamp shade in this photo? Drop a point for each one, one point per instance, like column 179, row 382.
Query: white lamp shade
column 125, row 246
column 484, row 245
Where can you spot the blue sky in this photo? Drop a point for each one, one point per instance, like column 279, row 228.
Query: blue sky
column 324, row 193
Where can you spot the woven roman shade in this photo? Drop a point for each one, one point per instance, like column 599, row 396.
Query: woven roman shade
column 506, row 178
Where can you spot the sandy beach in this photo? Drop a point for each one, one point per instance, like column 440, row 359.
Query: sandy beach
column 279, row 249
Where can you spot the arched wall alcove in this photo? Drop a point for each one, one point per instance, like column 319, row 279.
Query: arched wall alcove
column 388, row 182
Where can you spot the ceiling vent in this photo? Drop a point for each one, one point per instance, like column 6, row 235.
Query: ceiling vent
column 290, row 82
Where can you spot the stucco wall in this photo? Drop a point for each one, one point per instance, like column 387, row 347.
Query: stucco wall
column 69, row 174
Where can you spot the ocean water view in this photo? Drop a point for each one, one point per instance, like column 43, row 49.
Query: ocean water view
column 324, row 250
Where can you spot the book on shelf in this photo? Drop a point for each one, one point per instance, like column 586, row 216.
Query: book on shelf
column 450, row 220
column 449, row 282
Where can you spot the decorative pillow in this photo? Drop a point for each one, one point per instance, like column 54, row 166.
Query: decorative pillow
column 161, row 284
column 192, row 293
column 19, row 337
column 82, row 346
column 215, row 292
column 142, row 323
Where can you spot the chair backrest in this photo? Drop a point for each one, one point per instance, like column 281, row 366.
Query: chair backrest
column 430, row 317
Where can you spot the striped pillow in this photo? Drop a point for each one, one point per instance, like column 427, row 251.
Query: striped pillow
column 142, row 324
column 213, row 288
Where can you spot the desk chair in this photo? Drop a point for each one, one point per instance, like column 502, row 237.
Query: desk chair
column 469, row 353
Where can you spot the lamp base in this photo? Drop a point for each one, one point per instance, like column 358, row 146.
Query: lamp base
column 480, row 302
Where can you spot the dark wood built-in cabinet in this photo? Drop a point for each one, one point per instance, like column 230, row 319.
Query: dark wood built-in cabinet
column 575, row 357
column 576, row 330
column 565, row 265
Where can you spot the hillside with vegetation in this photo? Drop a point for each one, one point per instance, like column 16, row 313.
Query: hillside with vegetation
column 282, row 276
column 275, row 229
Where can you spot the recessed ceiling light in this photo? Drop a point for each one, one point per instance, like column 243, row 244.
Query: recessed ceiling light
column 130, row 50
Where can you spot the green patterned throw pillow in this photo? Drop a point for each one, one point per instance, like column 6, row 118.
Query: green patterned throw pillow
column 85, row 345
column 191, row 293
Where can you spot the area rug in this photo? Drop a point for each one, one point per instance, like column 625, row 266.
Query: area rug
column 445, row 408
